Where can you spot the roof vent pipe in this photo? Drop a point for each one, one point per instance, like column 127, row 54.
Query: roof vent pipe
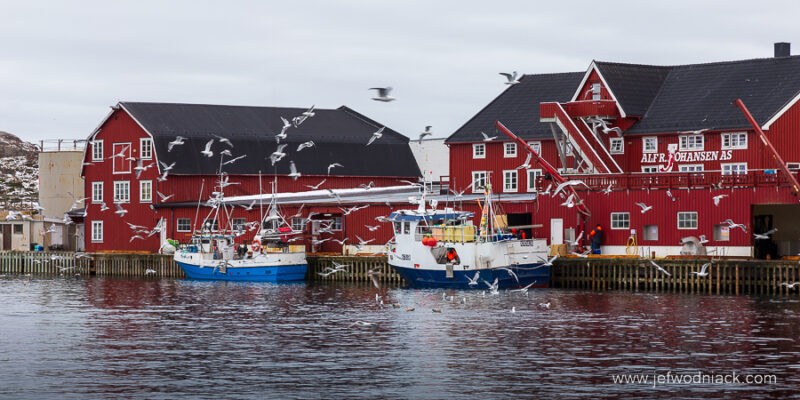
column 782, row 49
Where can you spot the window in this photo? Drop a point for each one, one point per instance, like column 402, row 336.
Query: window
column 620, row 220
column 146, row 148
column 650, row 232
column 184, row 225
column 616, row 146
column 536, row 146
column 18, row 229
column 568, row 149
column 793, row 166
column 238, row 224
column 722, row 233
column 211, row 224
column 337, row 223
column 595, row 91
column 479, row 150
column 122, row 192
column 650, row 144
column 510, row 181
column 510, row 150
column 122, row 158
column 97, row 231
column 97, row 192
column 145, row 191
column 691, row 143
column 737, row 140
column 687, row 220
column 533, row 175
column 97, row 150
column 650, row 169
column 298, row 223
column 734, row 169
column 690, row 168
column 478, row 181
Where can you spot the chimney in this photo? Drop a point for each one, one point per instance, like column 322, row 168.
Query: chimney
column 782, row 49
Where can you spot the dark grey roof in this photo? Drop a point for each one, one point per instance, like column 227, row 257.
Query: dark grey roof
column 701, row 96
column 634, row 86
column 518, row 107
column 340, row 136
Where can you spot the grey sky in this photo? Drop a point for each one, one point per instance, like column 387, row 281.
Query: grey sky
column 65, row 62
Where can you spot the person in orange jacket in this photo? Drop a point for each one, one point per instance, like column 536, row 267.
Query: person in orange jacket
column 596, row 238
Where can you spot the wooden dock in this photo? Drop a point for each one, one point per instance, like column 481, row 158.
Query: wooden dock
column 757, row 277
column 356, row 270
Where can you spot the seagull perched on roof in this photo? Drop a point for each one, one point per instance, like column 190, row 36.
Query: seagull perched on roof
column 294, row 174
column 511, row 79
column 305, row 145
column 645, row 208
column 315, row 187
column 572, row 182
column 765, row 235
column 331, row 166
column 383, row 94
column 487, row 138
column 278, row 154
column 179, row 140
column 732, row 225
column 426, row 132
column 207, row 151
column 375, row 136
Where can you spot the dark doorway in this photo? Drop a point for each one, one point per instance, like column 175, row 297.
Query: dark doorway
column 764, row 248
column 6, row 237
column 521, row 221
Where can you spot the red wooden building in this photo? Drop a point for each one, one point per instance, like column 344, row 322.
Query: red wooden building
column 670, row 137
column 152, row 161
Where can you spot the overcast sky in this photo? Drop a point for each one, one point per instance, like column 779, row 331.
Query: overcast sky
column 63, row 63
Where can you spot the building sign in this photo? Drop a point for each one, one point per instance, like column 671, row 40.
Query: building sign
column 668, row 160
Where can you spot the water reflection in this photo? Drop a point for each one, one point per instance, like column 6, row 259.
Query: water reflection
column 101, row 338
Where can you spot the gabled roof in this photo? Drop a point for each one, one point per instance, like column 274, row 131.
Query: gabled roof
column 633, row 86
column 340, row 136
column 701, row 96
column 518, row 108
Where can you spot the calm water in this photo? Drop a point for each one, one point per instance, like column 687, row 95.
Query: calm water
column 114, row 338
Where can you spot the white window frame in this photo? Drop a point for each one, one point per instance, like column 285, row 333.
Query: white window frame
column 733, row 168
column 793, row 166
column 238, row 223
column 97, row 231
column 97, row 150
column 114, row 161
column 298, row 223
column 145, row 187
column 536, row 146
column 647, row 141
column 740, row 143
column 337, row 224
column 97, row 192
column 478, row 154
column 616, row 146
column 532, row 179
column 178, row 226
column 687, row 214
column 649, row 169
column 509, row 150
column 596, row 89
column 510, row 185
column 146, row 144
column 568, row 150
column 691, row 168
column 620, row 220
column 118, row 185
column 476, row 188
column 691, row 142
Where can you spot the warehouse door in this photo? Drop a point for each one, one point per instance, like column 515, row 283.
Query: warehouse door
column 6, row 237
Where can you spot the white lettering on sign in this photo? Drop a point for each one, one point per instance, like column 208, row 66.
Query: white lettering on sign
column 688, row 156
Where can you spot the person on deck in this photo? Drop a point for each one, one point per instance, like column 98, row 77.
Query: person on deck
column 596, row 238
column 452, row 256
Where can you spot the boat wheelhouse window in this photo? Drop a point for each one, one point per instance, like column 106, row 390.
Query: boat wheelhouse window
column 406, row 227
column 398, row 228
column 422, row 231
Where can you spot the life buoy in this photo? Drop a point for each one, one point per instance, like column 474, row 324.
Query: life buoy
column 256, row 246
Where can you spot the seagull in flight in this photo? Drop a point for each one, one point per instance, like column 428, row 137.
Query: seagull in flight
column 179, row 140
column 659, row 267
column 493, row 287
column 293, row 171
column 548, row 263
column 608, row 190
column 572, row 182
column 103, row 206
column 330, row 167
column 223, row 140
column 163, row 197
column 375, row 136
column 383, row 94
column 718, row 197
column 165, row 166
column 765, row 235
column 697, row 132
column 121, row 153
column 278, row 154
column 645, row 208
column 511, row 273
column 426, row 132
column 315, row 187
column 285, row 127
column 120, row 211
column 790, row 285
column 305, row 145
column 525, row 289
column 511, row 79
column 310, row 112
column 527, row 163
column 487, row 138
column 703, row 270
column 207, row 151
column 233, row 160
column 474, row 280
column 732, row 225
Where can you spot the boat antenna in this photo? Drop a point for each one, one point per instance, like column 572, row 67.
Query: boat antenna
column 260, row 200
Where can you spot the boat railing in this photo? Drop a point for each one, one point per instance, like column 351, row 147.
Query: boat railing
column 447, row 233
